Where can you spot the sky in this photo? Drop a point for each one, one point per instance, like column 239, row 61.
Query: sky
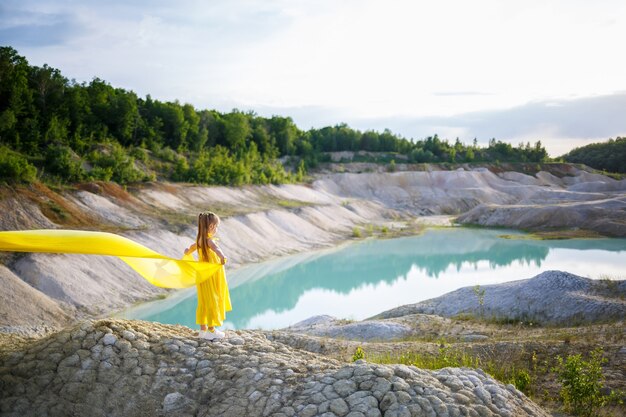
column 515, row 70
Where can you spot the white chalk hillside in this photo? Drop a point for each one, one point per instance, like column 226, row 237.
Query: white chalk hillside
column 267, row 221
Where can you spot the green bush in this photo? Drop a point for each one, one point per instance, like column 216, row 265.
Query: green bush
column 62, row 162
column 218, row 167
column 181, row 170
column 582, row 382
column 103, row 174
column 522, row 380
column 167, row 154
column 358, row 354
column 140, row 154
column 15, row 168
column 114, row 164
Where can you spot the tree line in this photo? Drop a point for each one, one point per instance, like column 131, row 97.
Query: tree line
column 53, row 128
column 608, row 156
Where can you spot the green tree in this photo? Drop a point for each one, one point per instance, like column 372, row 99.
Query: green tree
column 175, row 126
column 15, row 96
column 285, row 133
column 369, row 141
column 197, row 135
column 57, row 131
column 236, row 130
column 48, row 86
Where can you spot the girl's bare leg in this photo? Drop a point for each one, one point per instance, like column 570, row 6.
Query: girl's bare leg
column 203, row 327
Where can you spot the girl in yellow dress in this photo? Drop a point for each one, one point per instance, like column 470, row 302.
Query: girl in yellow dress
column 213, row 295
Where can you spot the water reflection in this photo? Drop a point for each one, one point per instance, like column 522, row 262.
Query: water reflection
column 274, row 288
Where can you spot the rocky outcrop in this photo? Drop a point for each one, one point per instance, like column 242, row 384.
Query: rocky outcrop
column 131, row 368
column 371, row 330
column 311, row 334
column 577, row 199
column 552, row 297
column 607, row 216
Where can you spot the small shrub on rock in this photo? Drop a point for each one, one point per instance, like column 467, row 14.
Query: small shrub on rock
column 358, row 354
column 522, row 380
column 582, row 383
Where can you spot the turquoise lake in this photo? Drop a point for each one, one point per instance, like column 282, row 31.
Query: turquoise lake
column 361, row 279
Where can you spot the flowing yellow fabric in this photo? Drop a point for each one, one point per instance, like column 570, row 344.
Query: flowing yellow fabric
column 157, row 269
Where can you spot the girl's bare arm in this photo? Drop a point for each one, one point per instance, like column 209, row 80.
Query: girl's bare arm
column 217, row 250
column 190, row 249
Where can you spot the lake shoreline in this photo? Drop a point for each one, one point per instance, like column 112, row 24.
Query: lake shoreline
column 532, row 255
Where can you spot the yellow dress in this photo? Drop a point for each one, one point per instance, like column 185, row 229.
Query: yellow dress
column 213, row 295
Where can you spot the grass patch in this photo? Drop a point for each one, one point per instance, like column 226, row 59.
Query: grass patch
column 56, row 211
column 178, row 221
column 610, row 286
column 513, row 372
column 292, row 203
column 268, row 201
column 496, row 320
column 384, row 232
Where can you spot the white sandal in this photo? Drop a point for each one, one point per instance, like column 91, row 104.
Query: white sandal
column 211, row 335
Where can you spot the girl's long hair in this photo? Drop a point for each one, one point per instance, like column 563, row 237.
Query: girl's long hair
column 205, row 221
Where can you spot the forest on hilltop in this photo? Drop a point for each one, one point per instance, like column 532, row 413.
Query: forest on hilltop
column 608, row 156
column 53, row 129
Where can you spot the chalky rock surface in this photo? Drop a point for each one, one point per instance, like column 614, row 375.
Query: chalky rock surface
column 552, row 297
column 574, row 199
column 370, row 330
column 606, row 216
column 133, row 368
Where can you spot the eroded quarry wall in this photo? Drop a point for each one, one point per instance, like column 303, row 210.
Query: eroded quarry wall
column 260, row 222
